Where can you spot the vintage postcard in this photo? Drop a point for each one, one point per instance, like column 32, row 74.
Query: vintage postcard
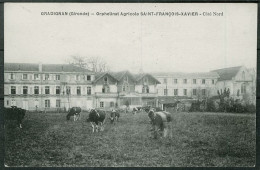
column 130, row 84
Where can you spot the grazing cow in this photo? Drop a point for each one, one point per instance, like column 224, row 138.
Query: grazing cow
column 114, row 116
column 135, row 109
column 160, row 121
column 96, row 118
column 75, row 112
column 14, row 113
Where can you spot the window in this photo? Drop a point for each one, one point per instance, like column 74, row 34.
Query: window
column 25, row 77
column 13, row 90
column 213, row 82
column 101, row 104
column 57, row 77
column 165, row 92
column 25, row 90
column 47, row 103
column 12, row 76
column 243, row 88
column 203, row 81
column 105, row 80
column 143, row 89
column 126, row 79
column 7, row 102
column 36, row 76
column 165, row 81
column 147, row 89
column 111, row 104
column 105, row 89
column 57, row 89
column 89, row 90
column 58, row 103
column 36, row 89
column 77, row 77
column 175, row 81
column 68, row 90
column 203, row 92
column 194, row 81
column 194, row 92
column 176, row 92
column 238, row 93
column 47, row 76
column 184, row 81
column 78, row 90
column 123, row 89
column 88, row 77
column 47, row 89
column 185, row 92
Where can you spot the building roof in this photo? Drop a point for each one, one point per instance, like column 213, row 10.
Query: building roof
column 138, row 77
column 120, row 75
column 186, row 75
column 45, row 67
column 227, row 73
column 21, row 67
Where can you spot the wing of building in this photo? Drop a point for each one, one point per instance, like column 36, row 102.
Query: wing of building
column 52, row 87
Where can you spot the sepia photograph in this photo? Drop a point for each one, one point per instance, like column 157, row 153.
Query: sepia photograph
column 130, row 84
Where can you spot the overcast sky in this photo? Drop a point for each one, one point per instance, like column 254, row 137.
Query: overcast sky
column 186, row 44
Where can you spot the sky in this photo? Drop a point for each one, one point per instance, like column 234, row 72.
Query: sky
column 153, row 43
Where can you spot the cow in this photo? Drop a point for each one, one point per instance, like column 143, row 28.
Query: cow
column 14, row 113
column 96, row 118
column 75, row 112
column 114, row 116
column 161, row 122
column 135, row 109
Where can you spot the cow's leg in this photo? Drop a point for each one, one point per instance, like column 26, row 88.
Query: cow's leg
column 101, row 126
column 155, row 132
column 93, row 127
column 74, row 117
column 20, row 125
column 165, row 129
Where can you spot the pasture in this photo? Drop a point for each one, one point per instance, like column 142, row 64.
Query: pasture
column 199, row 139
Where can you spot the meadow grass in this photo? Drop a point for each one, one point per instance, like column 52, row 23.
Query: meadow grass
column 199, row 140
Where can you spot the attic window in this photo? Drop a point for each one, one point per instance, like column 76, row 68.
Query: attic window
column 126, row 79
column 88, row 77
column 105, row 79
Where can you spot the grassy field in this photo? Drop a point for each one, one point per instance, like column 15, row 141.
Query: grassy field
column 199, row 139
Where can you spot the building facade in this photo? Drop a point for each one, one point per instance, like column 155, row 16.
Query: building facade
column 52, row 87
column 194, row 85
column 240, row 81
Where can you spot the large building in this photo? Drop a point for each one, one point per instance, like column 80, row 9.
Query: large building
column 194, row 85
column 240, row 81
column 54, row 87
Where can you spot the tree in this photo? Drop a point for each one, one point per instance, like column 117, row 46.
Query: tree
column 95, row 64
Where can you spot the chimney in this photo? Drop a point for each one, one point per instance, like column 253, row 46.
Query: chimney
column 40, row 67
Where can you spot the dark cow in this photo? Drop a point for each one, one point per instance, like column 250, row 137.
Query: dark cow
column 114, row 116
column 96, row 118
column 75, row 112
column 161, row 121
column 14, row 113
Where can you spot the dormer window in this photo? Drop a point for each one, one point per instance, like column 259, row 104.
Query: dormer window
column 88, row 77
column 105, row 80
column 126, row 79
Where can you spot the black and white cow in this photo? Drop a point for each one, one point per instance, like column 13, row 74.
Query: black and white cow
column 114, row 116
column 97, row 119
column 14, row 113
column 161, row 122
column 75, row 112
